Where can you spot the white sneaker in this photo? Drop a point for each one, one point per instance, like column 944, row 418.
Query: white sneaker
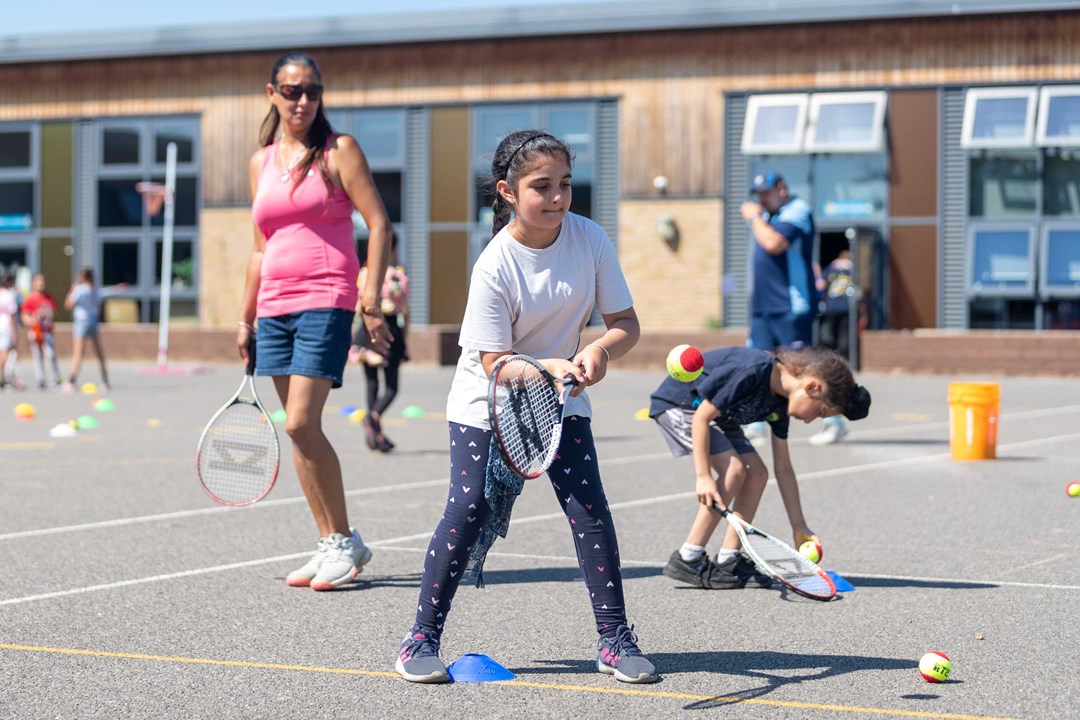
column 303, row 576
column 830, row 434
column 343, row 560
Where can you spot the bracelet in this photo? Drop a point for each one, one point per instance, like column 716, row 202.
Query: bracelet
column 602, row 348
column 248, row 325
column 371, row 310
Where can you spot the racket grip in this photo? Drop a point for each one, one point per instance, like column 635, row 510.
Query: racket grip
column 722, row 511
column 250, row 368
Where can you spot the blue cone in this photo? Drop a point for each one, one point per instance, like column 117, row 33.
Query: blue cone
column 473, row 667
column 842, row 585
column 348, row 410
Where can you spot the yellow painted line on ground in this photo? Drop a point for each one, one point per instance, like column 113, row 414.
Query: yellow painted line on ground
column 27, row 446
column 917, row 417
column 515, row 683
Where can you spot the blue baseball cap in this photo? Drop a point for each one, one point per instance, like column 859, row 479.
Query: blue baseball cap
column 765, row 181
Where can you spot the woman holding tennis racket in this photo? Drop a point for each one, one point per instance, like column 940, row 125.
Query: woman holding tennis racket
column 301, row 285
column 738, row 386
column 532, row 291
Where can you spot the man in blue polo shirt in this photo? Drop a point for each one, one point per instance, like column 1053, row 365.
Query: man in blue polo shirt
column 784, row 301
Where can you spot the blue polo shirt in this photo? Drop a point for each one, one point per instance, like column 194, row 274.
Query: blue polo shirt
column 785, row 283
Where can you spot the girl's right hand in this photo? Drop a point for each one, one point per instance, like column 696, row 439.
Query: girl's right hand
column 708, row 492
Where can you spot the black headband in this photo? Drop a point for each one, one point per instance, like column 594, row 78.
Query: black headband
column 523, row 144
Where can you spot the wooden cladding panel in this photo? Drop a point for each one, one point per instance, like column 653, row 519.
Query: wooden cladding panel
column 670, row 84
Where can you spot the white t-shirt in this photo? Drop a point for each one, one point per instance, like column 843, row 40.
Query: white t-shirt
column 534, row 302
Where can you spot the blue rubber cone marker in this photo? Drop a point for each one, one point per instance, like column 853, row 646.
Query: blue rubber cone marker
column 473, row 667
column 841, row 584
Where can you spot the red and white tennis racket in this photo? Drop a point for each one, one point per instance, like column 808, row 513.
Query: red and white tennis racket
column 238, row 453
column 780, row 561
column 526, row 406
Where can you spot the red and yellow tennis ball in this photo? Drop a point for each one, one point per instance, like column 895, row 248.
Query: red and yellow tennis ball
column 935, row 667
column 685, row 362
column 1073, row 489
column 811, row 551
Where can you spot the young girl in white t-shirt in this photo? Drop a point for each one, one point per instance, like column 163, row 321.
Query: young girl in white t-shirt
column 532, row 291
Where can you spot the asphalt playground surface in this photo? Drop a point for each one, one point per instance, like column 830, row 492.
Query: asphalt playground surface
column 126, row 592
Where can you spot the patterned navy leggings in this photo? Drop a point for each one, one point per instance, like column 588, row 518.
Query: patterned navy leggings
column 575, row 477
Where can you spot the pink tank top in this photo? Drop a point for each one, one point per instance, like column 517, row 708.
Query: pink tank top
column 310, row 260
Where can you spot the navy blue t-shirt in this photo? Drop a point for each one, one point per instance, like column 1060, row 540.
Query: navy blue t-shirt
column 737, row 381
column 785, row 283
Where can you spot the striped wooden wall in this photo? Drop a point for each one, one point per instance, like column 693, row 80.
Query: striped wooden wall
column 670, row 84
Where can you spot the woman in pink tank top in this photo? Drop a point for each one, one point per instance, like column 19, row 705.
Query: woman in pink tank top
column 301, row 287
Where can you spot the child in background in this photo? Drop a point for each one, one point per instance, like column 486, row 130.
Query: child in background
column 394, row 302
column 84, row 302
column 532, row 290
column 38, row 314
column 736, row 387
column 9, row 312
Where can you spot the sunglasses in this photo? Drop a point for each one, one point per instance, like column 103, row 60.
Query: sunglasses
column 292, row 93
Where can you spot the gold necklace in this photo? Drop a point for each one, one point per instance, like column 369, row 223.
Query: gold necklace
column 286, row 174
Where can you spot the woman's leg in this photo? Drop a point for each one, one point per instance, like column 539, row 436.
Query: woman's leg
column 390, row 377
column 317, row 465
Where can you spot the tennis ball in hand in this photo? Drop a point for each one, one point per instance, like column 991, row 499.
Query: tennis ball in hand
column 811, row 551
column 1073, row 489
column 684, row 363
column 935, row 667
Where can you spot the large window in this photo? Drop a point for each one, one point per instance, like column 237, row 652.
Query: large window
column 128, row 238
column 1023, row 240
column 830, row 148
column 18, row 177
column 381, row 134
column 573, row 122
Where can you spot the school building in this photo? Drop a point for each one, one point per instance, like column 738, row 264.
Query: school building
column 939, row 141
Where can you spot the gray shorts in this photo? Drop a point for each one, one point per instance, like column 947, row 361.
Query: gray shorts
column 676, row 423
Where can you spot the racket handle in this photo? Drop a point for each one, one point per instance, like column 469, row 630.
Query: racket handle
column 250, row 368
column 723, row 511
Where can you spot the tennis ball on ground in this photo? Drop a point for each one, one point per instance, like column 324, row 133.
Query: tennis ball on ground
column 684, row 363
column 1073, row 489
column 811, row 551
column 935, row 667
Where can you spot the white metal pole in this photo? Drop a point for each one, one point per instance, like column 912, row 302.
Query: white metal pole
column 166, row 255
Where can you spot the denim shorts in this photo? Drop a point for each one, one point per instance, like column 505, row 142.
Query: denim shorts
column 84, row 328
column 313, row 343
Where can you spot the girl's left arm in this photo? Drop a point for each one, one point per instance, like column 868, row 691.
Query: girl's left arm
column 623, row 332
column 349, row 168
column 789, row 492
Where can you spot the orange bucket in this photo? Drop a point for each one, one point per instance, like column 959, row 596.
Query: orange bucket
column 973, row 419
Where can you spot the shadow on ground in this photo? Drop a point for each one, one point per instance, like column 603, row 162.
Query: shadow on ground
column 769, row 670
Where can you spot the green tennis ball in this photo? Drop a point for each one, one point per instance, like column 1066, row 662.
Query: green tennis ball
column 685, row 362
column 811, row 551
column 935, row 667
column 1073, row 489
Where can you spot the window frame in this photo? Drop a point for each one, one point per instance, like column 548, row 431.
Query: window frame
column 971, row 106
column 1046, row 95
column 975, row 290
column 1047, row 290
column 876, row 143
column 755, row 103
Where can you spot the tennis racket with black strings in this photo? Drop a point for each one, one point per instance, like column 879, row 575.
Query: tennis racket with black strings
column 780, row 561
column 238, row 453
column 526, row 406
